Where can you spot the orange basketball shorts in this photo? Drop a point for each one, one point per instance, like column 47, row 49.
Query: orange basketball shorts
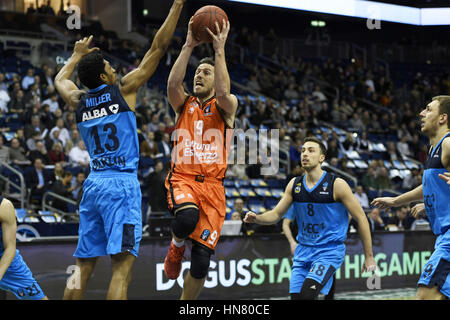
column 208, row 194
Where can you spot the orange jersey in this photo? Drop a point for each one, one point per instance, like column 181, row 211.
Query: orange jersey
column 201, row 140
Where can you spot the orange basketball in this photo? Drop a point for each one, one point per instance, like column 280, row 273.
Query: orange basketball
column 206, row 17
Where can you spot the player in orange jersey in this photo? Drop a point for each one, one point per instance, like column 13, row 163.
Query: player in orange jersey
column 196, row 194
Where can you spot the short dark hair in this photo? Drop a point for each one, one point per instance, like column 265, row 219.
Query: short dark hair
column 67, row 174
column 444, row 107
column 208, row 60
column 323, row 149
column 89, row 69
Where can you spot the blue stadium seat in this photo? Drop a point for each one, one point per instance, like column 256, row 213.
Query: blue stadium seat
column 372, row 194
column 247, row 192
column 270, row 203
column 263, row 192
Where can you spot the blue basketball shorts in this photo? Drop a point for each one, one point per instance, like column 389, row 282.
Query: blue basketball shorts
column 19, row 280
column 110, row 216
column 318, row 263
column 436, row 272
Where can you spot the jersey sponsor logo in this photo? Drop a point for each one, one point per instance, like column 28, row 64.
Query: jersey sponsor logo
column 205, row 234
column 94, row 114
column 208, row 111
column 325, row 186
column 297, row 189
column 114, row 108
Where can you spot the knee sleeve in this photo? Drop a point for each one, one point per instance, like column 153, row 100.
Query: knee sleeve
column 200, row 258
column 310, row 290
column 184, row 223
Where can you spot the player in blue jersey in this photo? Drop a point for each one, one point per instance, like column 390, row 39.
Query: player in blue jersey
column 321, row 203
column 434, row 191
column 110, row 210
column 15, row 276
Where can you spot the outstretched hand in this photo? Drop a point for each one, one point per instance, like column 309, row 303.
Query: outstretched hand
column 220, row 38
column 82, row 46
column 191, row 41
column 383, row 203
column 250, row 217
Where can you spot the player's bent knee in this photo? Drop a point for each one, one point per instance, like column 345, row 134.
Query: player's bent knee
column 185, row 222
column 200, row 259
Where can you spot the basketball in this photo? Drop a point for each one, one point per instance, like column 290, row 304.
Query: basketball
column 206, row 17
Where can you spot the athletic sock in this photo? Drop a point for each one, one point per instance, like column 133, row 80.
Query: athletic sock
column 178, row 244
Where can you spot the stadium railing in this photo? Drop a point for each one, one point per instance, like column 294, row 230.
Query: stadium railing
column 21, row 195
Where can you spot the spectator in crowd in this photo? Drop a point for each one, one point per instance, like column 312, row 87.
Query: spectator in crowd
column 153, row 125
column 4, row 100
column 34, row 94
column 362, row 198
column 38, row 180
column 392, row 153
column 56, row 154
column 3, row 84
column 17, row 153
column 238, row 208
column 79, row 156
column 28, row 80
column 63, row 134
column 78, row 186
column 52, row 101
column 58, row 171
column 48, row 79
column 4, row 151
column 149, row 147
column 401, row 219
column 73, row 141
column 383, row 181
column 411, row 181
column 31, row 9
column 375, row 220
column 356, row 122
column 35, row 125
column 349, row 144
column 333, row 149
column 369, row 179
column 295, row 153
column 403, row 147
column 156, row 188
column 64, row 189
column 40, row 152
column 164, row 146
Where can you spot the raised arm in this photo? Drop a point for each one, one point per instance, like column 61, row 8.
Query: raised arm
column 66, row 88
column 225, row 99
column 175, row 89
column 274, row 215
column 130, row 84
column 344, row 194
column 9, row 227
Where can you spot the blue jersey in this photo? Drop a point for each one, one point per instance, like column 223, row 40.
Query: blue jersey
column 436, row 192
column 108, row 128
column 321, row 220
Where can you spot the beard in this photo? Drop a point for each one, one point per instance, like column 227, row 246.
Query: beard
column 203, row 93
